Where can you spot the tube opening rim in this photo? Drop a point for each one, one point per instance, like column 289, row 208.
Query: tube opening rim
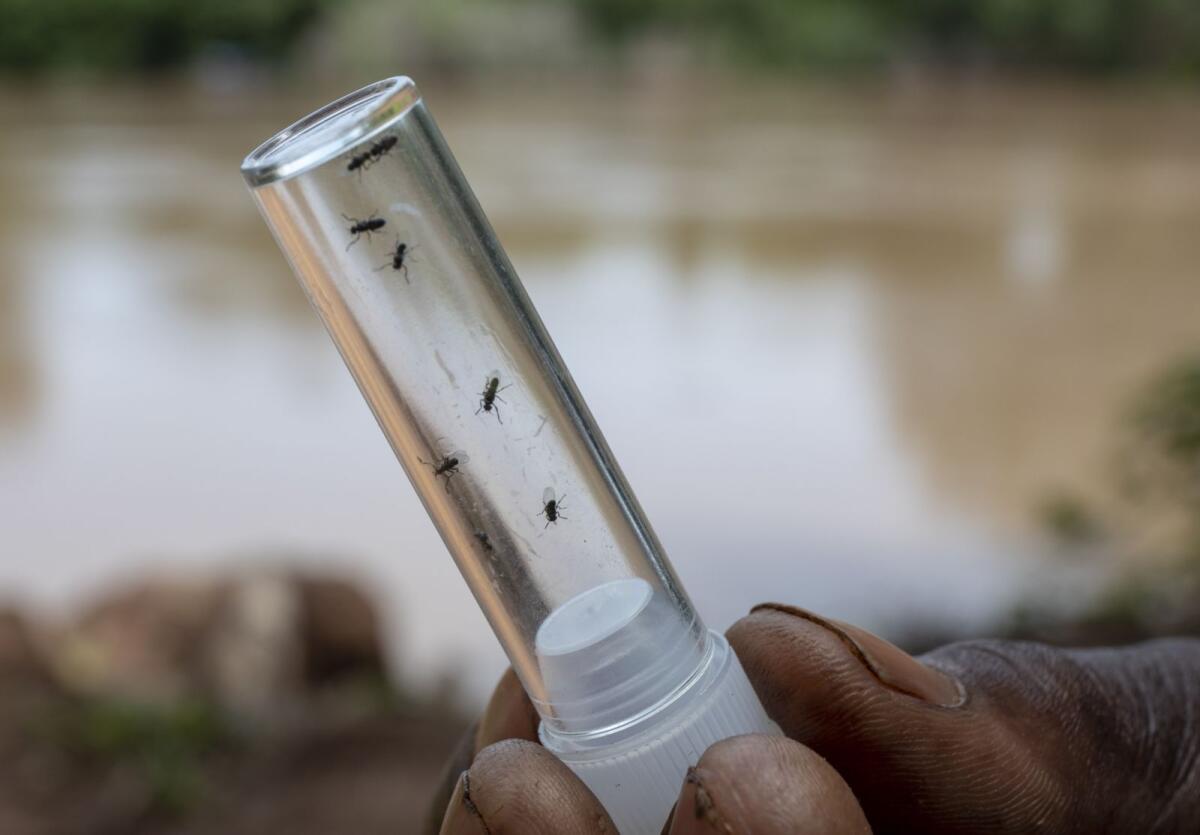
column 330, row 131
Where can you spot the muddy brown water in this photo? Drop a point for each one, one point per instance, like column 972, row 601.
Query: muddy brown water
column 843, row 340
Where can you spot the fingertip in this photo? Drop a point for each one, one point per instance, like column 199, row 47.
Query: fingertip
column 462, row 818
column 797, row 666
column 766, row 784
column 517, row 786
column 804, row 666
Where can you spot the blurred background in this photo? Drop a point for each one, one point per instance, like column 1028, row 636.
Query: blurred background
column 889, row 310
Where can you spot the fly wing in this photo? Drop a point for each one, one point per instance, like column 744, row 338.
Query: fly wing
column 462, row 457
column 548, row 495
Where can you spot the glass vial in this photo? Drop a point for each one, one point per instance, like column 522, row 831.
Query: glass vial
column 398, row 259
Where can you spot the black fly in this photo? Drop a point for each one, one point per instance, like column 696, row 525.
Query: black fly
column 490, row 394
column 399, row 260
column 358, row 162
column 378, row 149
column 361, row 162
column 448, row 466
column 484, row 541
column 360, row 227
column 551, row 507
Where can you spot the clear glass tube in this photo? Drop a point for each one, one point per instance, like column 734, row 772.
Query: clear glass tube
column 398, row 259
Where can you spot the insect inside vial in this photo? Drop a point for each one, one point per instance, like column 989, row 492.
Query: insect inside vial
column 551, row 507
column 400, row 256
column 359, row 162
column 448, row 466
column 381, row 147
column 484, row 541
column 363, row 227
column 490, row 394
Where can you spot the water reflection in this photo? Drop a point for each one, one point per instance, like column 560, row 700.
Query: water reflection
column 841, row 341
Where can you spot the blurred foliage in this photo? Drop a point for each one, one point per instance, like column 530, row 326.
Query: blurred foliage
column 165, row 746
column 145, row 34
column 1165, row 456
column 1088, row 35
column 1160, row 465
column 1076, row 35
column 1067, row 519
column 769, row 32
column 1155, row 592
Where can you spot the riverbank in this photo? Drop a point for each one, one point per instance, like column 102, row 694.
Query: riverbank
column 247, row 703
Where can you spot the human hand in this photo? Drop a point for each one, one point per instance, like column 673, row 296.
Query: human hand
column 979, row 736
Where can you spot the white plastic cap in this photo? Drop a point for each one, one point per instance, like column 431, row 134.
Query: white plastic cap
column 637, row 768
column 636, row 699
column 613, row 652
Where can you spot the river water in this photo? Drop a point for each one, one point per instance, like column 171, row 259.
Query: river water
column 844, row 340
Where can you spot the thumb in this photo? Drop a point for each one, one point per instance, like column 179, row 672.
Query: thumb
column 983, row 736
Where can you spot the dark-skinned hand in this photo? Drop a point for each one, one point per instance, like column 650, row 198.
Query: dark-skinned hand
column 975, row 737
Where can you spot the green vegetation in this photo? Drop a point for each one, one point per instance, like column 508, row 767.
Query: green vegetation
column 1068, row 520
column 1085, row 36
column 1160, row 595
column 167, row 747
column 1166, row 455
column 768, row 32
column 144, row 35
column 1079, row 35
